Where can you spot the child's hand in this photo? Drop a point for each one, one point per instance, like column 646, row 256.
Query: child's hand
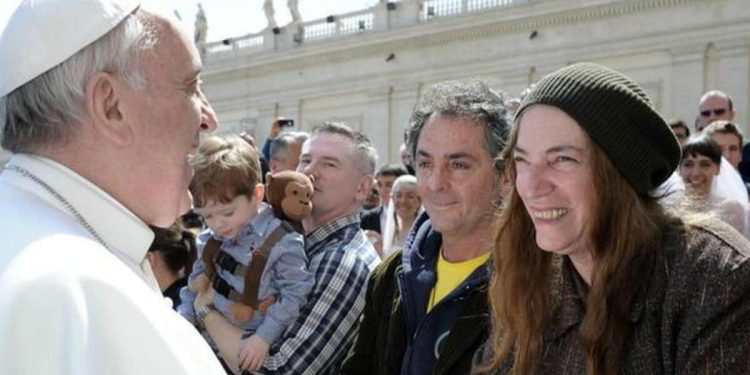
column 253, row 353
column 199, row 284
column 203, row 298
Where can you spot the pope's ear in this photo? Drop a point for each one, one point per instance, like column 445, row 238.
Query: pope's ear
column 106, row 107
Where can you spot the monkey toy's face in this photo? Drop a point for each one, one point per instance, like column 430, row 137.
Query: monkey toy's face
column 297, row 203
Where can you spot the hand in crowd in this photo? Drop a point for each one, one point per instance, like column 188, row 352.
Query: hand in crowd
column 203, row 298
column 376, row 240
column 275, row 128
column 253, row 353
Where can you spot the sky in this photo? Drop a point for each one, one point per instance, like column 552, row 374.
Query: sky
column 232, row 18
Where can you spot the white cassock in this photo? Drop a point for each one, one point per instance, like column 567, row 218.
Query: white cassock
column 68, row 304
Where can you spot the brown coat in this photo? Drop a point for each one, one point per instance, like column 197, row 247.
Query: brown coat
column 691, row 316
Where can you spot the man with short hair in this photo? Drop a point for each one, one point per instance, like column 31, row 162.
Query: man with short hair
column 101, row 120
column 373, row 199
column 375, row 218
column 714, row 105
column 729, row 138
column 341, row 162
column 285, row 150
column 426, row 310
column 403, row 152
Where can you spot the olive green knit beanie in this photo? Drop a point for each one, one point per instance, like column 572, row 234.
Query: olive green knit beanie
column 616, row 113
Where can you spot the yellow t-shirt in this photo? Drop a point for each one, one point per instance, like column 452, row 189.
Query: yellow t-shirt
column 451, row 275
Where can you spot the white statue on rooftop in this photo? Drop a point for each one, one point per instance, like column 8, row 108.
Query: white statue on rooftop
column 293, row 6
column 201, row 31
column 268, row 10
column 201, row 26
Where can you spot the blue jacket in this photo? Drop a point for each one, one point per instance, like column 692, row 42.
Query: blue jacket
column 398, row 335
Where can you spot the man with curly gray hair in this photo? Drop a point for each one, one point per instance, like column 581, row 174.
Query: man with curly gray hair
column 426, row 307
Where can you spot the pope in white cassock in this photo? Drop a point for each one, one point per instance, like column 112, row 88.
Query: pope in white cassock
column 100, row 103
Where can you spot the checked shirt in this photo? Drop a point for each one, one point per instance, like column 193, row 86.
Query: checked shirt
column 341, row 259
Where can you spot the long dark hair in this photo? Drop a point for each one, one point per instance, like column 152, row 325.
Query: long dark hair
column 625, row 232
column 177, row 247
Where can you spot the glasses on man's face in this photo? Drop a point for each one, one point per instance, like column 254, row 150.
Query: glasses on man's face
column 716, row 112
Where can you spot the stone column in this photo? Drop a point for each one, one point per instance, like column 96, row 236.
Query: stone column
column 376, row 122
column 733, row 59
column 380, row 19
column 687, row 83
column 403, row 100
column 405, row 14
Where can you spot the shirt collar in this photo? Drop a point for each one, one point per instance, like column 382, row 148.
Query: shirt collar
column 122, row 231
column 329, row 228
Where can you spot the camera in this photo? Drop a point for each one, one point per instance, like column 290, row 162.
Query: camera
column 286, row 123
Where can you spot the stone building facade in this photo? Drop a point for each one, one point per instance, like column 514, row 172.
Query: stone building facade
column 368, row 68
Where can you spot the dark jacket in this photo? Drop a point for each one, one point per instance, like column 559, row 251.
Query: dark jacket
column 370, row 219
column 691, row 314
column 398, row 336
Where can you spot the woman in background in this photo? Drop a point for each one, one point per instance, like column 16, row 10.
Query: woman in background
column 404, row 207
column 701, row 163
column 169, row 255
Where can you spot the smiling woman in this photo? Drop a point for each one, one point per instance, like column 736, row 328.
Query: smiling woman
column 402, row 210
column 591, row 275
column 700, row 165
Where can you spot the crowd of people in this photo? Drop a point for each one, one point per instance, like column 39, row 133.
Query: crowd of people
column 569, row 230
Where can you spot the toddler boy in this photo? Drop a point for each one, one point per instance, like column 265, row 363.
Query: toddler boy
column 228, row 195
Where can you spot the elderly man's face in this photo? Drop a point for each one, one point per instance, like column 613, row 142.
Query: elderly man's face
column 286, row 159
column 167, row 117
column 711, row 108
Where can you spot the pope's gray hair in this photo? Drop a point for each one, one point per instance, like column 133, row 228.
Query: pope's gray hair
column 43, row 111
